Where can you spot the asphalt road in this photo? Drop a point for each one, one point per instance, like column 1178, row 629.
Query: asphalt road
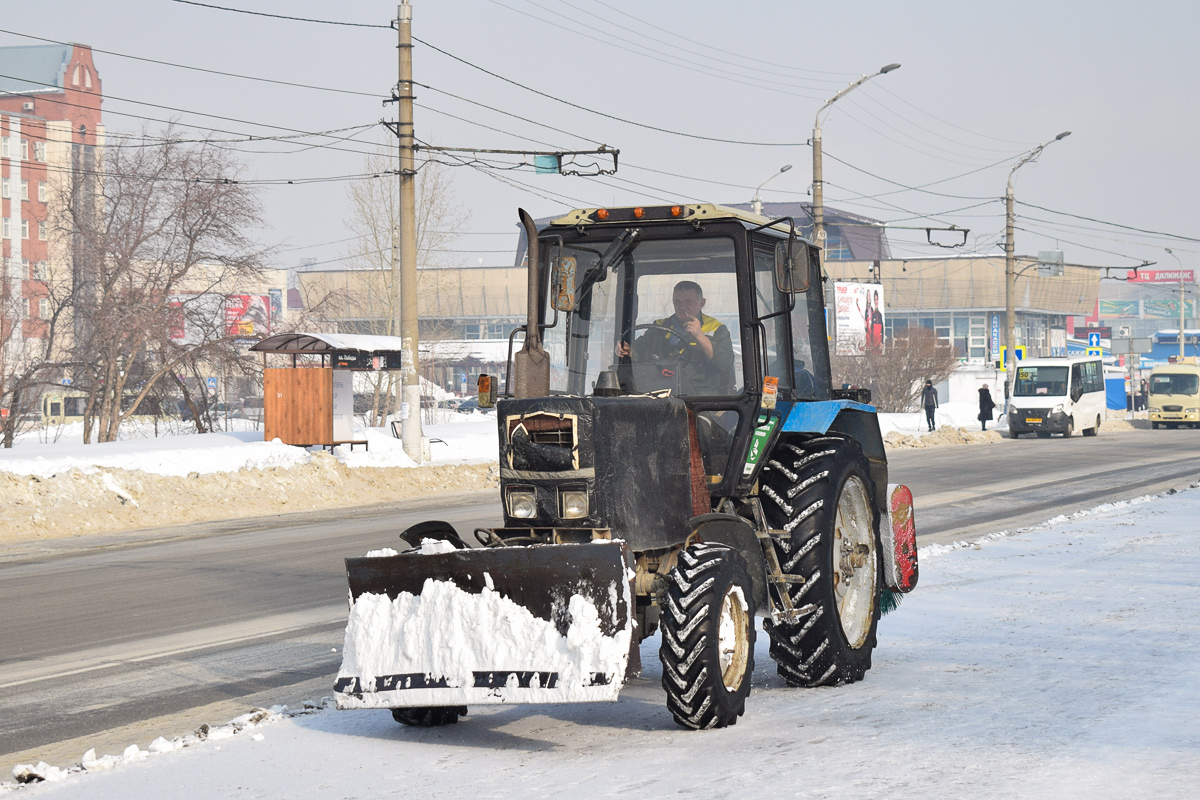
column 129, row 637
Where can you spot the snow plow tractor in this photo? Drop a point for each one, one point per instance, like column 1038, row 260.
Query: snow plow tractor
column 673, row 458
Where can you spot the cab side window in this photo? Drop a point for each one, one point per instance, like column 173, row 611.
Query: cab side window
column 1076, row 381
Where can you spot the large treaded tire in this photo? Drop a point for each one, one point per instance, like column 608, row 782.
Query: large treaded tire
column 707, row 608
column 428, row 716
column 803, row 482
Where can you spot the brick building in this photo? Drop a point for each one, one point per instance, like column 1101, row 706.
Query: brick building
column 50, row 124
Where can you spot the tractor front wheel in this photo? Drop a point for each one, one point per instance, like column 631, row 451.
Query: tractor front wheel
column 819, row 491
column 707, row 651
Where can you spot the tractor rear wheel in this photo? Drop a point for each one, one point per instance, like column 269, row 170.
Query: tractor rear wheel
column 820, row 492
column 707, row 651
column 428, row 716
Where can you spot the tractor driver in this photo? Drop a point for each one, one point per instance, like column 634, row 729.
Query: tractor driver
column 700, row 344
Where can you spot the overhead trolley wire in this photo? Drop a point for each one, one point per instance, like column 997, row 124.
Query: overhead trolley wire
column 282, row 16
column 1112, row 224
column 203, row 69
column 666, row 58
column 601, row 113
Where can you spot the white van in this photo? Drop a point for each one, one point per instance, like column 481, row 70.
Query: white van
column 1057, row 395
column 1175, row 394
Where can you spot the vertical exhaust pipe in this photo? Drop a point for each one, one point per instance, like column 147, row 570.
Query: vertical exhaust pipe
column 531, row 364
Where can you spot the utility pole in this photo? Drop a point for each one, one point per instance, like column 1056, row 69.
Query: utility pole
column 1010, row 275
column 410, row 398
column 1182, row 301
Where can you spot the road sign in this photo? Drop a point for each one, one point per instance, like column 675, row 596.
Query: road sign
column 1093, row 339
column 66, row 382
column 212, row 383
column 1004, row 353
column 1095, row 351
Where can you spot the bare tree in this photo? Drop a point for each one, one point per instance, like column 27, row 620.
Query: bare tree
column 896, row 373
column 32, row 351
column 374, row 208
column 164, row 237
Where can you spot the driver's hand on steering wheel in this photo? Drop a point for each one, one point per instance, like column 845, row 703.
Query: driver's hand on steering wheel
column 624, row 350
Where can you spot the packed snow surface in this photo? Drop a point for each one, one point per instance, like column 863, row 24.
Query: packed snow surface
column 1055, row 662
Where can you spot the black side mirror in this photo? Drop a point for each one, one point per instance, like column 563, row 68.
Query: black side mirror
column 793, row 268
column 562, row 281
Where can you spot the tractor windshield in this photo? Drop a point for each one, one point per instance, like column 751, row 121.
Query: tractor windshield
column 660, row 313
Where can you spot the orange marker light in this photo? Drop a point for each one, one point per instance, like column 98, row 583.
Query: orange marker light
column 676, row 211
column 639, row 212
column 601, row 213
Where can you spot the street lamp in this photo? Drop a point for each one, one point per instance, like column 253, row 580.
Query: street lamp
column 1010, row 262
column 818, row 208
column 1171, row 253
column 756, row 204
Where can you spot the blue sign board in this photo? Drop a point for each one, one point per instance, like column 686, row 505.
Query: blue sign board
column 1093, row 339
column 995, row 333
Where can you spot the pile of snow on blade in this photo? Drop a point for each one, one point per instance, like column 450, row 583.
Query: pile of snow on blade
column 448, row 633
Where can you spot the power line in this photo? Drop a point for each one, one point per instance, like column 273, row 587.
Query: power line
column 672, row 60
column 601, row 113
column 944, row 122
column 717, row 49
column 1112, row 224
column 913, row 188
column 281, row 16
column 507, row 114
column 181, row 111
column 707, row 54
column 202, row 69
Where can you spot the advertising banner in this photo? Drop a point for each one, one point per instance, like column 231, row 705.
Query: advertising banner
column 196, row 318
column 1168, row 309
column 858, row 310
column 1121, row 309
column 343, row 405
column 248, row 315
column 1162, row 275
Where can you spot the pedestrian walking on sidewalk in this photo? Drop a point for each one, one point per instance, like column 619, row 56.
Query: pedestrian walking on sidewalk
column 986, row 406
column 929, row 399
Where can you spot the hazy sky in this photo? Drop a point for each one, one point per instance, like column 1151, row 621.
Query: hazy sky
column 980, row 84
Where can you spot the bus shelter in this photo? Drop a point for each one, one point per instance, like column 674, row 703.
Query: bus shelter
column 311, row 401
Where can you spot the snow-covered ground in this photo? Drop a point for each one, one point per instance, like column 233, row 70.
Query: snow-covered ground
column 957, row 415
column 1059, row 661
column 462, row 438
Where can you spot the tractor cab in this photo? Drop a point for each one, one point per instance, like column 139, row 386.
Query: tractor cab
column 696, row 302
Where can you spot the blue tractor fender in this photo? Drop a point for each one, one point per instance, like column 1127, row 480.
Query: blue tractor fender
column 857, row 421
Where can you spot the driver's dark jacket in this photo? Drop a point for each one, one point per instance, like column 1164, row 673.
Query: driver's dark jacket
column 702, row 376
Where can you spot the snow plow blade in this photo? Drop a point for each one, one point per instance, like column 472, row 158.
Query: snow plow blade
column 539, row 624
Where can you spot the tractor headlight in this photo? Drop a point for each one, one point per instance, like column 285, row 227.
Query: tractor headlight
column 522, row 503
column 574, row 503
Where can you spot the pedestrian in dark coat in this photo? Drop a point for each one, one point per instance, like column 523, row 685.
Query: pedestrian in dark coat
column 986, row 406
column 929, row 399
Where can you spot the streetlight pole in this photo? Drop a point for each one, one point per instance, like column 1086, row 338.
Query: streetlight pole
column 818, row 208
column 756, row 204
column 1010, row 275
column 1181, row 298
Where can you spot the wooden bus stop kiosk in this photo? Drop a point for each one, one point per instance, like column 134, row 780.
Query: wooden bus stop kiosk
column 311, row 402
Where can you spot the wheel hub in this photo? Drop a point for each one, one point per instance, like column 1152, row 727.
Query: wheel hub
column 855, row 566
column 733, row 647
